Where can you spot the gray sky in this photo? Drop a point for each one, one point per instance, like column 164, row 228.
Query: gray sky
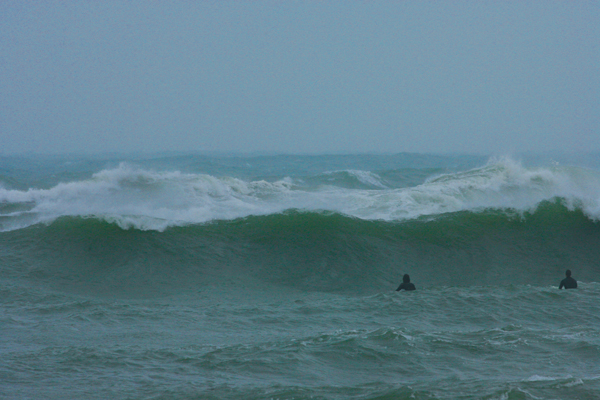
column 300, row 76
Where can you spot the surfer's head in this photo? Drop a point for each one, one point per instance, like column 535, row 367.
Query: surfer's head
column 406, row 278
column 568, row 273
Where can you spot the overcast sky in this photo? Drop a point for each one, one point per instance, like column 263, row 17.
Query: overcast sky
column 300, row 76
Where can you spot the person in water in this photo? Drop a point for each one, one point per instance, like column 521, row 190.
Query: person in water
column 406, row 285
column 568, row 282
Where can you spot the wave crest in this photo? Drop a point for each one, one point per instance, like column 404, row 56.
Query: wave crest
column 155, row 200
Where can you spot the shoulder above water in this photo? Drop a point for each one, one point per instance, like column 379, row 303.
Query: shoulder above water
column 568, row 283
column 406, row 286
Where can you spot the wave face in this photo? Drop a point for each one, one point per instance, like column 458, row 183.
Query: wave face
column 346, row 230
column 311, row 251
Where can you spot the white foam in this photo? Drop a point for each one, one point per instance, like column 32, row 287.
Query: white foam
column 142, row 199
column 541, row 378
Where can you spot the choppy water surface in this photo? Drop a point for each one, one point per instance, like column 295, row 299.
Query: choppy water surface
column 194, row 277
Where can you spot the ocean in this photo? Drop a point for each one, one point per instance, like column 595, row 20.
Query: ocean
column 189, row 276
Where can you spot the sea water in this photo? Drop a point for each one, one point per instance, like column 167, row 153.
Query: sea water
column 274, row 277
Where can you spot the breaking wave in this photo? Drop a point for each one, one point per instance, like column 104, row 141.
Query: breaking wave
column 133, row 197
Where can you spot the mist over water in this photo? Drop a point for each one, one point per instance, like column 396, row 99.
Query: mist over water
column 274, row 277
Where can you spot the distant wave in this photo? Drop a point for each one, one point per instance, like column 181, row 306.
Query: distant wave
column 355, row 179
column 138, row 198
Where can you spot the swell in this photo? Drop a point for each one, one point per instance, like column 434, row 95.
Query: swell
column 310, row 251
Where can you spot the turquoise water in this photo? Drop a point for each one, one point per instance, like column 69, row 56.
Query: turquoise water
column 207, row 277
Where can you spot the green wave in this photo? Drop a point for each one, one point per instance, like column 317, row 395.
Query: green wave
column 308, row 251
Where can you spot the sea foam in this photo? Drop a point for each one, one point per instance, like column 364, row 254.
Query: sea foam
column 133, row 197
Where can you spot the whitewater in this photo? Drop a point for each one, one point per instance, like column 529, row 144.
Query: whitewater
column 134, row 197
column 273, row 277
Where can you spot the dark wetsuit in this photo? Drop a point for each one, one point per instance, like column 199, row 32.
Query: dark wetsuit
column 568, row 283
column 406, row 286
